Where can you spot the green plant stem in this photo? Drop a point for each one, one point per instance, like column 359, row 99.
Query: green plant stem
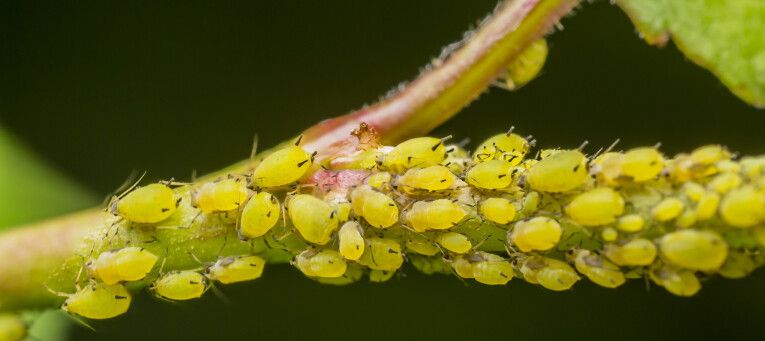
column 28, row 255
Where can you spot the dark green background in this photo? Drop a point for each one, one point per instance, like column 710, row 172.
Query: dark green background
column 100, row 89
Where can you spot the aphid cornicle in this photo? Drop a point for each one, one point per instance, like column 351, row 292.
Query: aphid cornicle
column 693, row 249
column 382, row 254
column 98, row 301
column 493, row 174
column 351, row 240
column 433, row 178
column 549, row 273
column 599, row 206
column 12, row 328
column 599, row 270
column 438, row 214
column 149, row 204
column 539, row 233
column 378, row 209
column 259, row 215
column 313, row 218
column 233, row 269
column 220, row 196
column 497, row 210
column 321, row 263
column 283, row 167
column 507, row 147
column 560, row 172
column 415, row 153
column 180, row 285
column 122, row 265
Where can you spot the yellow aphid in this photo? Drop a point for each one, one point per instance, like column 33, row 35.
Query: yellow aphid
column 549, row 273
column 283, row 167
column 609, row 234
column 667, row 209
column 180, row 285
column 379, row 180
column 497, row 210
column 610, row 170
column 693, row 190
column 351, row 240
column 494, row 174
column 724, row 182
column 560, row 172
column 599, row 270
column 599, row 206
column 728, row 166
column 738, row 265
column 752, row 166
column 259, row 215
column 433, row 178
column 743, row 207
column 12, row 328
column 125, row 264
column 540, row 233
column 343, row 210
column 527, row 65
column 630, row 223
column 463, row 266
column 377, row 208
column 313, row 218
column 707, row 206
column 236, row 269
column 382, row 254
column 636, row 252
column 98, row 302
column 696, row 250
column 415, row 153
column 507, row 147
column 642, row 164
column 149, row 204
column 321, row 263
column 438, row 214
column 220, row 196
column 709, row 154
column 686, row 219
column 454, row 242
column 492, row 270
column 530, row 203
column 422, row 246
column 379, row 276
column 677, row 281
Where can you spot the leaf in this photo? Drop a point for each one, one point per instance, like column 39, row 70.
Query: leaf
column 30, row 190
column 724, row 36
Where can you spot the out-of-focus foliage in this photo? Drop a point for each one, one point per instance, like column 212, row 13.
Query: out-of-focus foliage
column 724, row 36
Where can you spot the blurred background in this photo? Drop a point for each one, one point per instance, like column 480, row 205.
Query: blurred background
column 100, row 89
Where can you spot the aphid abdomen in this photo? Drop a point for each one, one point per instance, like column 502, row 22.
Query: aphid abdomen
column 180, row 285
column 149, row 204
column 283, row 167
column 259, row 215
column 237, row 269
column 313, row 218
column 99, row 302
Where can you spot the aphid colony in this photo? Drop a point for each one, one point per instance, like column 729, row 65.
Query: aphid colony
column 490, row 216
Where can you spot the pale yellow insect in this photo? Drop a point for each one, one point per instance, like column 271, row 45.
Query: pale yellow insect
column 234, row 269
column 313, row 218
column 220, row 196
column 493, row 174
column 433, row 178
column 743, row 207
column 415, row 153
column 642, row 164
column 636, row 252
column 507, row 147
column 382, row 254
column 454, row 242
column 599, row 270
column 321, row 263
column 497, row 210
column 438, row 214
column 378, row 209
column 97, row 301
column 491, row 269
column 283, row 167
column 122, row 265
column 549, row 273
column 560, row 172
column 180, row 285
column 599, row 206
column 696, row 250
column 149, row 204
column 351, row 240
column 539, row 233
column 259, row 215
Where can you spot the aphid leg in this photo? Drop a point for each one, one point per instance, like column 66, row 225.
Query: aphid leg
column 225, row 240
column 220, row 295
column 57, row 293
column 472, row 249
column 195, row 258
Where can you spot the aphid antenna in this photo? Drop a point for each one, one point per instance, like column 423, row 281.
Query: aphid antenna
column 472, row 249
column 657, row 145
column 113, row 195
column 57, row 293
column 464, row 142
column 197, row 259
column 612, row 146
column 254, row 149
column 219, row 294
column 584, row 144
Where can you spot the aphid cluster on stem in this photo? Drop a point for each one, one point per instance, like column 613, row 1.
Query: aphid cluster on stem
column 490, row 216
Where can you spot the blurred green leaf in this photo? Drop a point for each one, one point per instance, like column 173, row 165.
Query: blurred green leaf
column 30, row 190
column 724, row 36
